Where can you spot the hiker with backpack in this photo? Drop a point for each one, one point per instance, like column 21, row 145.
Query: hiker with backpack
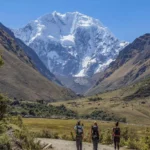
column 95, row 135
column 116, row 136
column 79, row 135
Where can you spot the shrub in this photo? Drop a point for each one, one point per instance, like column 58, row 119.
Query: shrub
column 106, row 137
column 4, row 142
column 125, row 133
column 17, row 121
column 2, row 127
column 130, row 139
column 94, row 99
column 1, row 61
column 27, row 140
column 46, row 134
column 142, row 144
column 56, row 136
column 131, row 143
column 3, row 106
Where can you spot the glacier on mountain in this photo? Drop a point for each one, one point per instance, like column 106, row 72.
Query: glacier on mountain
column 71, row 44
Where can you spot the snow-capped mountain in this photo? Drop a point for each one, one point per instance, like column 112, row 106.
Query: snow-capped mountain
column 71, row 44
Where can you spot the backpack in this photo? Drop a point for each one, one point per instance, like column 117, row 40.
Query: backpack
column 116, row 131
column 95, row 134
column 79, row 130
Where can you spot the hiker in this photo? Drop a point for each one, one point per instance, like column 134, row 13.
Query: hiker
column 95, row 135
column 79, row 135
column 116, row 136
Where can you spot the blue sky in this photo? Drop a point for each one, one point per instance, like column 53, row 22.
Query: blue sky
column 127, row 19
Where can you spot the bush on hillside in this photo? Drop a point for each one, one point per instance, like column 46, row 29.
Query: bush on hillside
column 3, row 127
column 3, row 106
column 106, row 137
column 4, row 142
column 94, row 99
column 26, row 140
column 1, row 61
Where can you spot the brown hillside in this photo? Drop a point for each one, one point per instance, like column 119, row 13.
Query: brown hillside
column 19, row 79
column 132, row 65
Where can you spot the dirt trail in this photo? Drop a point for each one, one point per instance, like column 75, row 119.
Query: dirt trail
column 71, row 145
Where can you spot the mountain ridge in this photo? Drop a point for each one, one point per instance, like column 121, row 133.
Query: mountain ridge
column 33, row 56
column 19, row 78
column 131, row 65
column 71, row 44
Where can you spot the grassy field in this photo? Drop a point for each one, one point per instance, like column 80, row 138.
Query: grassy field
column 65, row 127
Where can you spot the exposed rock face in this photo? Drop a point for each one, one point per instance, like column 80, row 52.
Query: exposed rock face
column 30, row 55
column 131, row 65
column 71, row 44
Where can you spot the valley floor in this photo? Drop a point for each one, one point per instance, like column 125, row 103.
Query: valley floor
column 71, row 145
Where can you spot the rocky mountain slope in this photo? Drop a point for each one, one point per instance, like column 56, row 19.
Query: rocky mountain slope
column 71, row 44
column 38, row 64
column 19, row 77
column 131, row 65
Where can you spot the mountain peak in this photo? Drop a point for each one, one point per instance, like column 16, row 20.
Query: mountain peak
column 71, row 43
column 69, row 17
column 68, row 13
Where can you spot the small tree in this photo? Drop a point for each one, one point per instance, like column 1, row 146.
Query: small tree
column 3, row 106
column 1, row 61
